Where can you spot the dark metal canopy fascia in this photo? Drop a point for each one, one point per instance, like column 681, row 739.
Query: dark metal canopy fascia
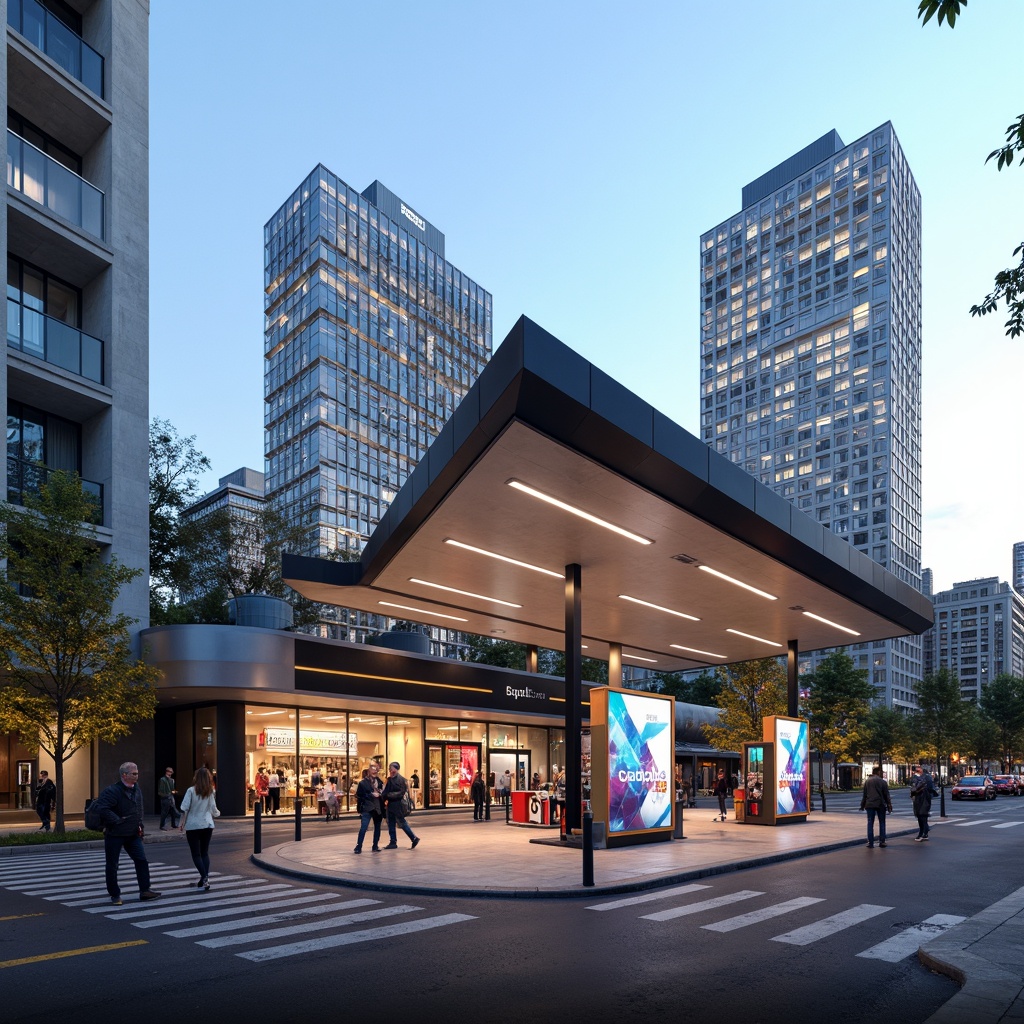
column 542, row 415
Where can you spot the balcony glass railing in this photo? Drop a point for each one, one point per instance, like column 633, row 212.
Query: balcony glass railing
column 49, row 183
column 42, row 336
column 58, row 42
column 27, row 477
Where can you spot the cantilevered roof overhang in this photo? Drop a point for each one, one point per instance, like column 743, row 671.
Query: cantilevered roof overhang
column 670, row 583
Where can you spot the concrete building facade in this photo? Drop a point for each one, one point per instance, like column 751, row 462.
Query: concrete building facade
column 75, row 226
column 810, row 356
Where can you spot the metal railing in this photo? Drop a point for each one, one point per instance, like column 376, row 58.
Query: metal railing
column 54, row 341
column 63, row 46
column 45, row 181
column 24, row 477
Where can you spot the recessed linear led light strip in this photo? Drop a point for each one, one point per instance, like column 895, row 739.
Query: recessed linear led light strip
column 834, row 625
column 750, row 636
column 551, row 500
column 504, row 558
column 389, row 679
column 422, row 611
column 636, row 657
column 738, row 583
column 694, row 650
column 464, row 593
column 658, row 607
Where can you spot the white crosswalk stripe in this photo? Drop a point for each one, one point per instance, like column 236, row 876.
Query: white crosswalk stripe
column 699, row 908
column 230, row 914
column 647, row 897
column 1009, row 824
column 731, row 924
column 899, row 947
column 976, row 821
column 828, row 926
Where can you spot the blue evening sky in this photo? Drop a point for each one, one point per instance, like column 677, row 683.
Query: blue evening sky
column 572, row 153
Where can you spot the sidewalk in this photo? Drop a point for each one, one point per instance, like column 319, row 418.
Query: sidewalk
column 459, row 857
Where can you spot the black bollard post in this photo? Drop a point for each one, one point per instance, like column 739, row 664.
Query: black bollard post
column 298, row 819
column 588, row 848
column 508, row 805
column 257, row 827
column 677, row 832
column 824, row 809
column 487, row 807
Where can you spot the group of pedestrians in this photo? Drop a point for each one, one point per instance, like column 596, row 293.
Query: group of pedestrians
column 375, row 799
column 877, row 801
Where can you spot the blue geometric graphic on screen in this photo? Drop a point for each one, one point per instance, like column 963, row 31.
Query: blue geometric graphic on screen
column 632, row 805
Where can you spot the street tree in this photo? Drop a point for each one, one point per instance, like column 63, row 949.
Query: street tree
column 178, row 549
column 939, row 722
column 1009, row 283
column 500, row 653
column 981, row 739
column 751, row 691
column 883, row 730
column 839, row 698
column 69, row 673
column 1002, row 703
column 703, row 689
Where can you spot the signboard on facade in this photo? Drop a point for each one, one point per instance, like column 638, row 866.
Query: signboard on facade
column 274, row 739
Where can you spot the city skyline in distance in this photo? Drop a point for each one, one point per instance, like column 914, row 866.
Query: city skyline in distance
column 574, row 162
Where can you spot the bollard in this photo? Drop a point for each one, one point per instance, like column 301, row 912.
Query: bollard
column 298, row 819
column 257, row 827
column 588, row 848
column 487, row 807
column 824, row 809
column 508, row 807
column 677, row 832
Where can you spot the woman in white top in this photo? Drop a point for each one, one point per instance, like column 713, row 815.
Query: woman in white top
column 198, row 809
column 331, row 799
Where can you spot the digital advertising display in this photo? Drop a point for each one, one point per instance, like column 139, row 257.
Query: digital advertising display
column 791, row 766
column 640, row 759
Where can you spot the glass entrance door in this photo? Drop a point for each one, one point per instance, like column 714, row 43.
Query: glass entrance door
column 450, row 771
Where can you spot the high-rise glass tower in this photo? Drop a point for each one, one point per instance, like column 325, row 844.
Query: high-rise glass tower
column 372, row 338
column 811, row 355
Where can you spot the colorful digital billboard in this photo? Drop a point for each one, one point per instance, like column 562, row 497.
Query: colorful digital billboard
column 791, row 766
column 640, row 757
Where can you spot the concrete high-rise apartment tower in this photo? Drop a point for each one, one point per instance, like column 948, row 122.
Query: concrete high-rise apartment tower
column 75, row 377
column 811, row 355
column 1018, row 567
column 372, row 339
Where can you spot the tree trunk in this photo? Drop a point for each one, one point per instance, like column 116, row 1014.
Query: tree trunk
column 58, row 773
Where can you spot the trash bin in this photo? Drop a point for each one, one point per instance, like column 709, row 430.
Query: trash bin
column 738, row 796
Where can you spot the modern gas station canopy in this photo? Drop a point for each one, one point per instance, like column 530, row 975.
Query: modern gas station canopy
column 686, row 561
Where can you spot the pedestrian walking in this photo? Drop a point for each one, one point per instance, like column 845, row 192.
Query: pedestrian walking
column 168, row 808
column 922, row 789
column 478, row 791
column 261, row 786
column 198, row 809
column 396, row 789
column 46, row 798
column 876, row 801
column 368, row 803
column 721, row 790
column 121, row 811
column 273, row 792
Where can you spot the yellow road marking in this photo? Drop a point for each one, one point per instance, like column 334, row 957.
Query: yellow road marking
column 18, row 917
column 71, row 952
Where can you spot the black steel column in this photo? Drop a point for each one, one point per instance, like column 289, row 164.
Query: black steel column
column 793, row 689
column 573, row 698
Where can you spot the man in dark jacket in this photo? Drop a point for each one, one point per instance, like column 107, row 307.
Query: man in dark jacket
column 121, row 810
column 368, row 794
column 876, row 800
column 394, row 789
column 922, row 789
column 46, row 797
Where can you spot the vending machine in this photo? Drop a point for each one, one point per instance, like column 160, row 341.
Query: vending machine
column 776, row 773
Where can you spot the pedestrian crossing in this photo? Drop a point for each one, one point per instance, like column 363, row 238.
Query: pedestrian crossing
column 893, row 949
column 957, row 819
column 250, row 917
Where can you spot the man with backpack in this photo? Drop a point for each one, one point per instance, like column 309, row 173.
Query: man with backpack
column 120, row 810
column 922, row 789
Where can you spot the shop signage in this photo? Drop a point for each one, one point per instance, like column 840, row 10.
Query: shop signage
column 414, row 217
column 274, row 739
column 791, row 752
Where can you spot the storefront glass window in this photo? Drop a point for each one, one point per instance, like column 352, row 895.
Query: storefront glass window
column 270, row 745
column 405, row 745
column 367, row 734
column 536, row 742
column 326, row 749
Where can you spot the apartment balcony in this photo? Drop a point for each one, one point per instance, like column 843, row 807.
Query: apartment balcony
column 43, row 180
column 54, row 341
column 63, row 46
column 27, row 477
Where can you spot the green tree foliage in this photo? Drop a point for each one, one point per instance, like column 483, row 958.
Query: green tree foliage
column 939, row 722
column 839, row 700
column 499, row 653
column 177, row 549
column 1002, row 703
column 980, row 739
column 70, row 676
column 882, row 731
column 751, row 691
column 703, row 689
column 1009, row 283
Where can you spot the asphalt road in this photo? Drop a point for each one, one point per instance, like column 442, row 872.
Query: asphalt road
column 826, row 938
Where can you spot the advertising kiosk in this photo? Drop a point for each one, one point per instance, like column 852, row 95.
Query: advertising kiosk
column 776, row 773
column 632, row 754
